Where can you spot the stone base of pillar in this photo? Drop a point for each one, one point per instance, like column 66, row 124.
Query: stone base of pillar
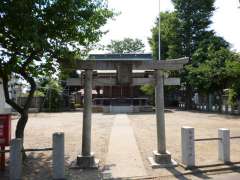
column 87, row 162
column 161, row 160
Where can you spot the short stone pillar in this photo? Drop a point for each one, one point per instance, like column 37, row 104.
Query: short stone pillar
column 232, row 109
column 210, row 102
column 229, row 109
column 222, row 108
column 214, row 108
column 224, row 145
column 188, row 146
column 238, row 107
column 226, row 108
column 15, row 159
column 58, row 156
column 86, row 159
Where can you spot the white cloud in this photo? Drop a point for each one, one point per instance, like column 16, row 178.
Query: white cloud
column 226, row 21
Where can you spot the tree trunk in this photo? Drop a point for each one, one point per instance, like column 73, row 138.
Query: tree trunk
column 21, row 124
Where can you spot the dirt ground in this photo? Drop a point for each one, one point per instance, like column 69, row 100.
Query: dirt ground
column 41, row 126
column 206, row 126
column 39, row 132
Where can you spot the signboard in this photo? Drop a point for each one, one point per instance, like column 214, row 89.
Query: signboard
column 5, row 130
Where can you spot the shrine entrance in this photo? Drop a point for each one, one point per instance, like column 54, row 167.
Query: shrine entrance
column 124, row 68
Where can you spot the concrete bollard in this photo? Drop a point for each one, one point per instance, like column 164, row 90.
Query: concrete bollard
column 15, row 159
column 238, row 107
column 205, row 108
column 226, row 109
column 232, row 110
column 188, row 146
column 58, row 156
column 224, row 145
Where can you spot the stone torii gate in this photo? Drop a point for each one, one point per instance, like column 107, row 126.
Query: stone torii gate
column 161, row 157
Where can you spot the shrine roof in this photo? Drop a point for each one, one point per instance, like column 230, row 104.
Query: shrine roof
column 127, row 57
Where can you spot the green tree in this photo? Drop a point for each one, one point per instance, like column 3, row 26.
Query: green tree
column 233, row 71
column 214, row 75
column 206, row 60
column 52, row 91
column 126, row 45
column 35, row 34
column 170, row 41
column 170, row 44
column 195, row 19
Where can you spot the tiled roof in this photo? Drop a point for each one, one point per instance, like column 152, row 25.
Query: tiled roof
column 120, row 57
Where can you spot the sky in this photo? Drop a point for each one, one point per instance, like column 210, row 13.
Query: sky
column 137, row 17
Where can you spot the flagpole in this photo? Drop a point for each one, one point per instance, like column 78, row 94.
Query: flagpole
column 159, row 33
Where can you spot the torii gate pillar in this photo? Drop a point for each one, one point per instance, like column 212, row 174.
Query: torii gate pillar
column 161, row 158
column 87, row 159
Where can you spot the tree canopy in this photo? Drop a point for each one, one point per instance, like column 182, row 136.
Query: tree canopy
column 127, row 45
column 213, row 67
column 35, row 34
column 195, row 17
column 170, row 41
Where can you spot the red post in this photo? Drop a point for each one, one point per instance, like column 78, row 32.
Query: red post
column 2, row 159
column 5, row 136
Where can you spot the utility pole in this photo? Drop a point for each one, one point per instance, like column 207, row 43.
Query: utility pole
column 159, row 33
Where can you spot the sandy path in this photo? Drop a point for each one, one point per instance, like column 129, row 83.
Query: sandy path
column 123, row 158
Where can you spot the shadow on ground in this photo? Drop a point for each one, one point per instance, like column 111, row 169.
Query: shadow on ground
column 204, row 172
column 38, row 166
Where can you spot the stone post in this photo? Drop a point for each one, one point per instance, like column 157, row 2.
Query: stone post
column 58, row 156
column 224, row 145
column 238, row 107
column 233, row 109
column 210, row 102
column 161, row 158
column 226, row 108
column 188, row 146
column 16, row 159
column 86, row 159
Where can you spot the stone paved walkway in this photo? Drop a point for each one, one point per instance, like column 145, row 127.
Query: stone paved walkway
column 123, row 159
